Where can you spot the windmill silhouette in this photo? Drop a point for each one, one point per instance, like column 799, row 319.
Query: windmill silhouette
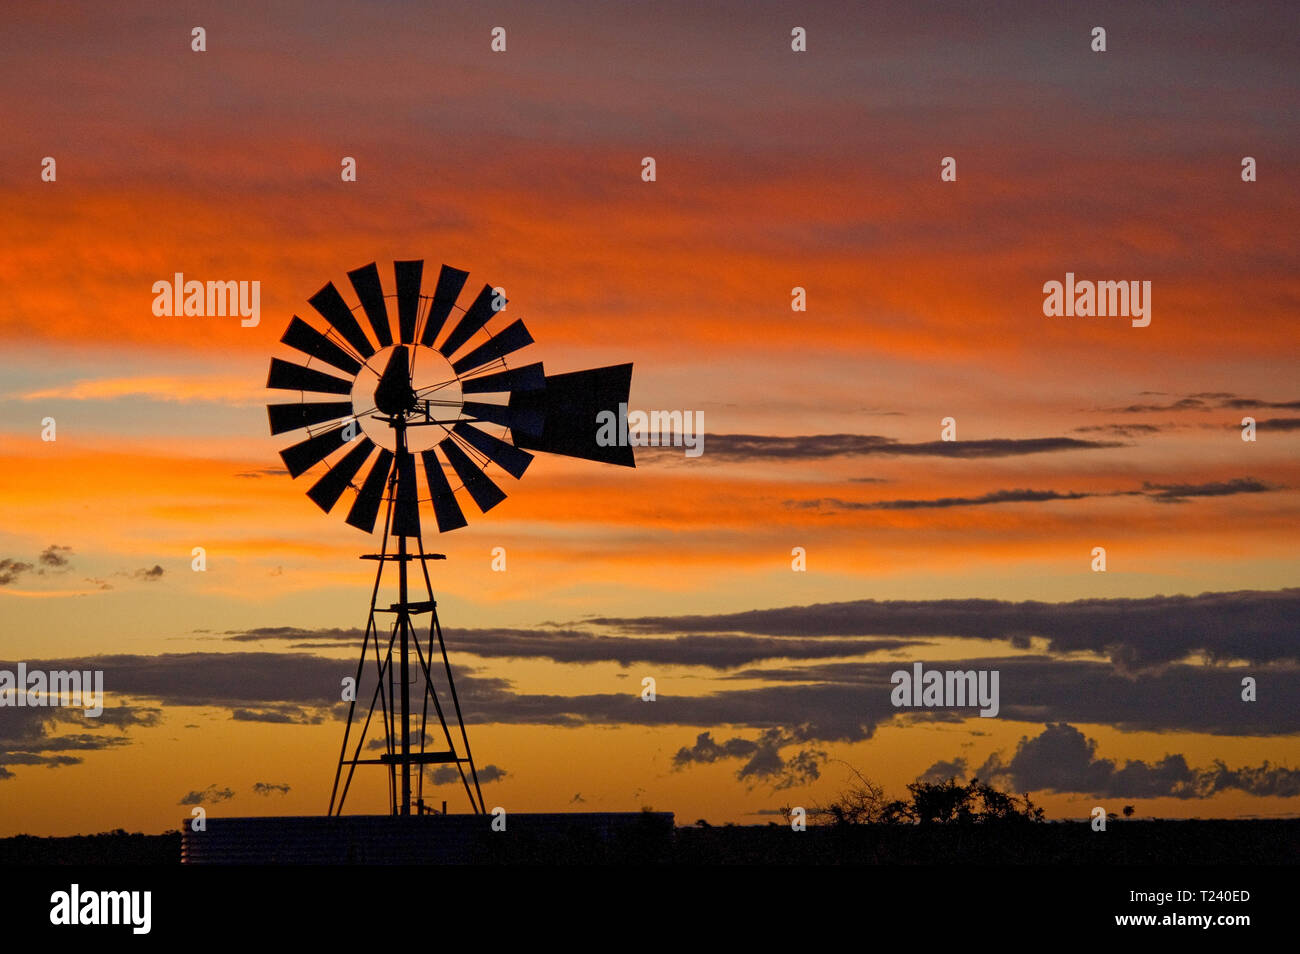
column 408, row 397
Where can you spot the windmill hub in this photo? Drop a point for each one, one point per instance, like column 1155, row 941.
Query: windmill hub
column 429, row 392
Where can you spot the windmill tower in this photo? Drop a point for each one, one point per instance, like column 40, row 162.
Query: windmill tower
column 436, row 392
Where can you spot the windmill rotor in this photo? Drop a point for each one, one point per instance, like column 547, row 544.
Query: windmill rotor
column 440, row 366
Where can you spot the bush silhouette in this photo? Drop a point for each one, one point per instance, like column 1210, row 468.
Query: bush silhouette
column 929, row 803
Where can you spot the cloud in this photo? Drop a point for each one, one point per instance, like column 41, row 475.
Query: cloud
column 34, row 736
column 150, row 574
column 268, row 788
column 833, row 701
column 1120, row 430
column 1206, row 401
column 575, row 646
column 1062, row 759
column 1253, row 625
column 211, row 794
column 284, row 715
column 763, row 759
column 11, row 570
column 742, row 447
column 1278, row 424
column 54, row 557
column 447, row 774
column 994, row 497
column 1178, row 493
column 1161, row 493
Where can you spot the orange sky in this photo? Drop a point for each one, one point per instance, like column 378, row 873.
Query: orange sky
column 774, row 170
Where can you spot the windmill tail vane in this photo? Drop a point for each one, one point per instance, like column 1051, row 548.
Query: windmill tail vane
column 370, row 405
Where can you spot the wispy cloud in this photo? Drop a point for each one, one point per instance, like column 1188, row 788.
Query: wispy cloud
column 1161, row 493
column 220, row 389
column 738, row 447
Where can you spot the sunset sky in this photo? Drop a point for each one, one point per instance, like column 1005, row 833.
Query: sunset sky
column 774, row 169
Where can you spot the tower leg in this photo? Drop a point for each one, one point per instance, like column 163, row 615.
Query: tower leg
column 398, row 717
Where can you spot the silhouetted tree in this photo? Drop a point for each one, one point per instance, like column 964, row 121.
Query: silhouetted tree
column 931, row 803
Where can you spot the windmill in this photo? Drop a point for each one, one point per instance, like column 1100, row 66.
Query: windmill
column 366, row 398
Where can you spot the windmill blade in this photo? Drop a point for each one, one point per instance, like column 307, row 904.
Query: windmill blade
column 513, row 338
column 408, row 275
column 524, row 421
column 476, row 316
column 306, row 454
column 512, row 460
column 445, row 507
column 530, row 377
column 291, row 417
column 335, row 310
column 570, row 407
column 406, row 511
column 450, row 282
column 480, row 486
column 287, row 376
column 309, row 341
column 366, row 507
column 326, row 491
column 366, row 283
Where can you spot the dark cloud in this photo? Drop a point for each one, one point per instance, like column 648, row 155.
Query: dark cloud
column 575, row 646
column 1277, row 424
column 11, row 570
column 1062, row 759
column 1248, row 403
column 447, row 774
column 149, row 574
column 234, row 680
column 210, row 795
column 1161, row 493
column 1253, row 625
column 263, row 472
column 995, row 497
column 1120, row 430
column 28, row 736
column 822, row 702
column 762, row 755
column 55, row 557
column 1039, row 689
column 268, row 788
column 738, row 447
column 1178, row 493
column 1205, row 401
column 284, row 715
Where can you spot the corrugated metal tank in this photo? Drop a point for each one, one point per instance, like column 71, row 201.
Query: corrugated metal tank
column 541, row 838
